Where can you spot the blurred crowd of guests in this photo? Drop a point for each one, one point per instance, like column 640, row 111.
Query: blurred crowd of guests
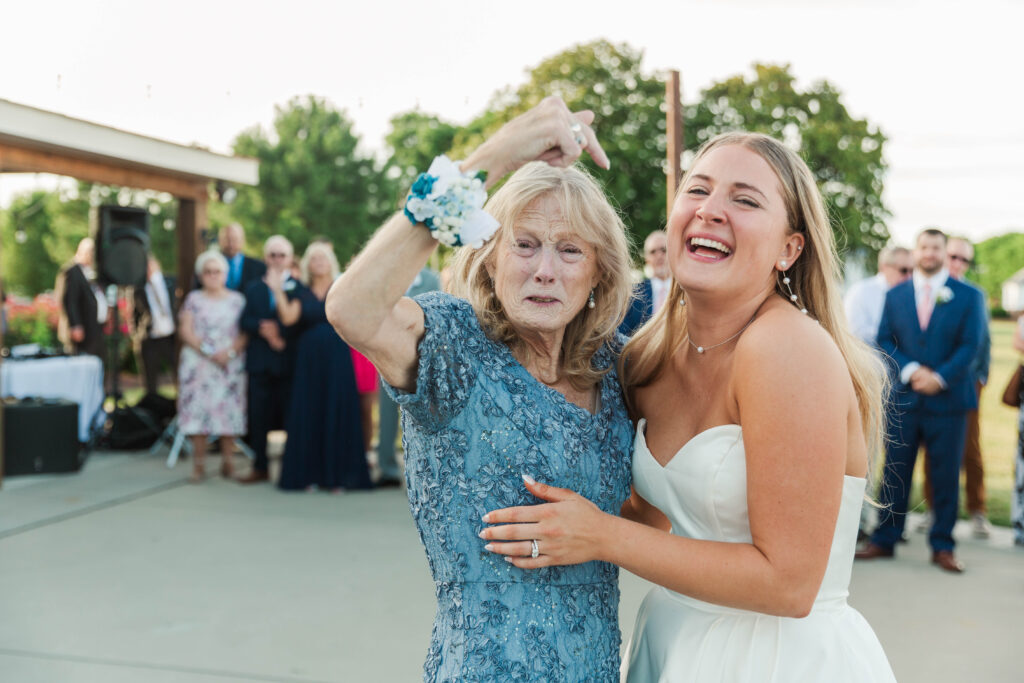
column 251, row 351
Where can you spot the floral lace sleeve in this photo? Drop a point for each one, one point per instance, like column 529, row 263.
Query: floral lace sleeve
column 448, row 360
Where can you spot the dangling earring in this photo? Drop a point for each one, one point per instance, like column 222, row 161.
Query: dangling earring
column 792, row 296
column 590, row 301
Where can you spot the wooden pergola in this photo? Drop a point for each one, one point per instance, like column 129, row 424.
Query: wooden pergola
column 37, row 141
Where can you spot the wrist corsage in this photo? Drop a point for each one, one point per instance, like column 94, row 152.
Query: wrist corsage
column 450, row 203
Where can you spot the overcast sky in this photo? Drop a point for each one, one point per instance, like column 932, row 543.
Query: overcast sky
column 941, row 79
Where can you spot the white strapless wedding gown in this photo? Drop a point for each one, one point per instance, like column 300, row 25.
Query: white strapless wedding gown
column 703, row 491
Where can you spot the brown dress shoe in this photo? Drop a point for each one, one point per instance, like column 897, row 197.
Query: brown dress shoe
column 254, row 477
column 873, row 551
column 946, row 560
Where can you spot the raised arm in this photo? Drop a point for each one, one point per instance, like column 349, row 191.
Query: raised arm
column 366, row 305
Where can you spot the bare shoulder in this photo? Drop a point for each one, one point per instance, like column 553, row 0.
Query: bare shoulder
column 784, row 346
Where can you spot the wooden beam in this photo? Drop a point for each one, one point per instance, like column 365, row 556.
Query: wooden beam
column 674, row 138
column 190, row 227
column 15, row 159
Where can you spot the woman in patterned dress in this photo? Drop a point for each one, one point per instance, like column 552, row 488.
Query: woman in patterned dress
column 211, row 371
column 516, row 376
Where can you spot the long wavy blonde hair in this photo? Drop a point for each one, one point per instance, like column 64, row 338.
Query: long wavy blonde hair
column 814, row 276
column 587, row 212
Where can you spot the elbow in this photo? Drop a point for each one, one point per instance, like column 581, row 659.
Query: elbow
column 794, row 598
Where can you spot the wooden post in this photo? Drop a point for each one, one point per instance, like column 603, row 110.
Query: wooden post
column 673, row 137
column 191, row 223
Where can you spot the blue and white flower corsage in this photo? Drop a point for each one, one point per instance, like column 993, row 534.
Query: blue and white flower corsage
column 450, row 203
column 944, row 295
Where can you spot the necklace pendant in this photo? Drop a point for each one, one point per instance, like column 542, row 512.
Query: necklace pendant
column 700, row 349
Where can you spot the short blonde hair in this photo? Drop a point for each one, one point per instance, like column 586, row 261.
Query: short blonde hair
column 206, row 257
column 319, row 248
column 587, row 213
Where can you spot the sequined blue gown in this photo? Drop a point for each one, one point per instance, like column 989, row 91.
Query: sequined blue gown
column 478, row 420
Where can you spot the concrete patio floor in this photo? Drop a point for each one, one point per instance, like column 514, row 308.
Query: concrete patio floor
column 125, row 573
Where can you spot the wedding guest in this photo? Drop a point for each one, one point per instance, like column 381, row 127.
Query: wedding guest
column 1017, row 495
column 211, row 372
column 866, row 298
column 650, row 295
column 758, row 411
column 83, row 310
column 387, row 410
column 242, row 269
column 959, row 255
column 514, row 373
column 269, row 355
column 153, row 330
column 368, row 385
column 325, row 447
column 932, row 329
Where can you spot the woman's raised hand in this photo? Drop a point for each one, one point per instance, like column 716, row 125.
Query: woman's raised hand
column 549, row 132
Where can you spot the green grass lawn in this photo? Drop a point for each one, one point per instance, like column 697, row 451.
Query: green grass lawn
column 998, row 430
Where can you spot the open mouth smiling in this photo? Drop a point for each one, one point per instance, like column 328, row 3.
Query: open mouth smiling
column 708, row 249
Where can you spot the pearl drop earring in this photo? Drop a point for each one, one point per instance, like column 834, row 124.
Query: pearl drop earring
column 792, row 295
column 590, row 301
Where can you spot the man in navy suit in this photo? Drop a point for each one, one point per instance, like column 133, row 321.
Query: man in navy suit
column 931, row 329
column 650, row 295
column 267, row 357
column 242, row 270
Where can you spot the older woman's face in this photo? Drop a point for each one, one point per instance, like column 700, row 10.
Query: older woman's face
column 728, row 228
column 213, row 277
column 543, row 271
column 319, row 264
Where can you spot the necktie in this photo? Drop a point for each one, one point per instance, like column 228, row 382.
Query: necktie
column 925, row 306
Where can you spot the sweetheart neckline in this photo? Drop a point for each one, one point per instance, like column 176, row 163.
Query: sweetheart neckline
column 642, row 424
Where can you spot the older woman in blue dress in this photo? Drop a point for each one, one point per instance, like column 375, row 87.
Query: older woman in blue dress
column 516, row 375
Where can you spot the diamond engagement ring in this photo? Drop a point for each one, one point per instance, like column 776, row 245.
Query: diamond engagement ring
column 534, row 549
column 577, row 131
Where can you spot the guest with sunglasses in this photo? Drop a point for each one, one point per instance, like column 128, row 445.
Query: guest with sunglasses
column 651, row 294
column 865, row 299
column 270, row 356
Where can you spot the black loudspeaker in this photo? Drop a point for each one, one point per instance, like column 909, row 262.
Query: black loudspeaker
column 122, row 245
column 41, row 436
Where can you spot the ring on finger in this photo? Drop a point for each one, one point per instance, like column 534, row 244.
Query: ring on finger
column 534, row 549
column 577, row 133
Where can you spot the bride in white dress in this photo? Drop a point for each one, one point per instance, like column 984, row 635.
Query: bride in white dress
column 760, row 412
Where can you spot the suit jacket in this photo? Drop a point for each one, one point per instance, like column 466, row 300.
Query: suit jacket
column 78, row 309
column 252, row 269
column 259, row 357
column 949, row 345
column 142, row 317
column 641, row 308
column 984, row 358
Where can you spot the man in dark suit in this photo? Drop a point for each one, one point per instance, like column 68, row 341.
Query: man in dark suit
column 931, row 329
column 242, row 270
column 650, row 295
column 267, row 357
column 153, row 332
column 83, row 309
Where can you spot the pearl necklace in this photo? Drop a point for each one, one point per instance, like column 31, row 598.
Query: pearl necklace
column 702, row 349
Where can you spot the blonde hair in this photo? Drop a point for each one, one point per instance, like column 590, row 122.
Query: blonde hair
column 311, row 250
column 587, row 213
column 814, row 276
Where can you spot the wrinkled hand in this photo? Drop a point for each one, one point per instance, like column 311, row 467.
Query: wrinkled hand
column 221, row 358
column 268, row 329
column 567, row 529
column 544, row 133
column 77, row 334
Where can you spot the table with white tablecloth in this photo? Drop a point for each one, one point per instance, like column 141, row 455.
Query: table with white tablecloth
column 75, row 378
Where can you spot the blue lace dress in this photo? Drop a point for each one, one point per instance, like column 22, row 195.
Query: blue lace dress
column 478, row 420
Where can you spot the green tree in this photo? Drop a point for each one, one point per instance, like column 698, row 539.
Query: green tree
column 843, row 152
column 415, row 139
column 996, row 260
column 606, row 78
column 29, row 238
column 313, row 180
